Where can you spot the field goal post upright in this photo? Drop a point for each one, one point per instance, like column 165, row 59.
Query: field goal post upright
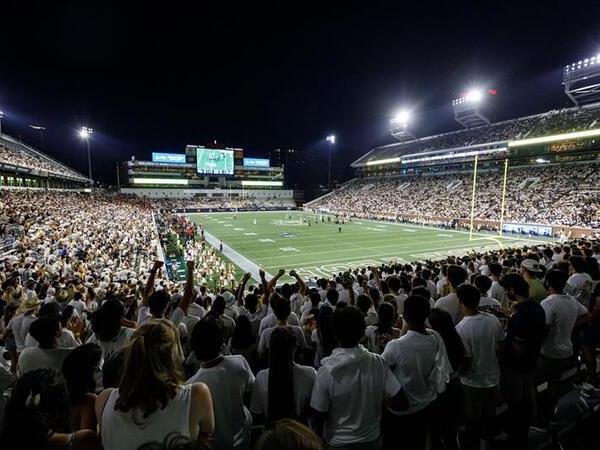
column 503, row 204
column 473, row 197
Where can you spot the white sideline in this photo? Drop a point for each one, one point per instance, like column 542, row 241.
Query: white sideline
column 239, row 260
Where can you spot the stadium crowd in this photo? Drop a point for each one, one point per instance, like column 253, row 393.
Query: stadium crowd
column 104, row 352
column 227, row 202
column 557, row 195
column 548, row 123
column 10, row 154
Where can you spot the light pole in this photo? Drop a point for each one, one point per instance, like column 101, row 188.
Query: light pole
column 1, row 117
column 330, row 142
column 86, row 133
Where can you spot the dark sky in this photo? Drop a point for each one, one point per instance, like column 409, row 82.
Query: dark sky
column 154, row 78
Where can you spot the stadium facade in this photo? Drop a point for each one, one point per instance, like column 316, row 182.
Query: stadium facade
column 205, row 172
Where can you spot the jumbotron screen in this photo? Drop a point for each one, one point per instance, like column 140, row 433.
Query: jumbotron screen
column 212, row 161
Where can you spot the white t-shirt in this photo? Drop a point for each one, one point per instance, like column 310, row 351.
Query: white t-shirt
column 561, row 311
column 411, row 358
column 78, row 305
column 489, row 303
column 304, row 379
column 196, row 310
column 296, row 303
column 228, row 381
column 579, row 285
column 265, row 337
column 345, row 296
column 111, row 347
column 440, row 286
column 41, row 358
column 450, row 304
column 497, row 292
column 351, row 386
column 480, row 335
column 432, row 288
column 65, row 340
column 400, row 299
column 270, row 321
column 19, row 325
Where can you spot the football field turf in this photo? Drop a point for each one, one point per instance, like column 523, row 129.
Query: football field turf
column 281, row 240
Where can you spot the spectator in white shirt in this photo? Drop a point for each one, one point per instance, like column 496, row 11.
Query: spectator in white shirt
column 20, row 323
column 579, row 284
column 414, row 358
column 46, row 355
column 563, row 314
column 442, row 281
column 486, row 304
column 229, row 379
column 282, row 310
column 109, row 334
column 449, row 303
column 481, row 334
column 496, row 291
column 283, row 390
column 351, row 387
column 426, row 275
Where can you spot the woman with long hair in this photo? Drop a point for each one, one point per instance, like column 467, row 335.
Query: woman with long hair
column 152, row 400
column 82, row 372
column 38, row 416
column 447, row 406
column 323, row 335
column 284, row 389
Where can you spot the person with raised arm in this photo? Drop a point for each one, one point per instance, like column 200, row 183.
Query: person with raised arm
column 299, row 298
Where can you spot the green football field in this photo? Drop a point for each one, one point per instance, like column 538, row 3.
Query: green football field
column 282, row 240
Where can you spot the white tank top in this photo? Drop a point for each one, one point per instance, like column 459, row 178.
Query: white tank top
column 129, row 430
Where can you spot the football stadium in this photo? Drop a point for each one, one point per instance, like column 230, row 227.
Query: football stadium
column 187, row 267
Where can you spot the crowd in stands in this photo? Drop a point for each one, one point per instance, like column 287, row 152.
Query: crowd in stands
column 17, row 155
column 551, row 122
column 227, row 202
column 104, row 352
column 551, row 194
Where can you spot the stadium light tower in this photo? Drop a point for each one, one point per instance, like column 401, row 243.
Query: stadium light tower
column 86, row 133
column 330, row 142
column 399, row 125
column 468, row 108
column 582, row 80
column 1, row 117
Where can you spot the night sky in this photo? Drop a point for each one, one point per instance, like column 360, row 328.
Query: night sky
column 155, row 78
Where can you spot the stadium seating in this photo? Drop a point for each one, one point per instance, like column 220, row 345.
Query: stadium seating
column 551, row 122
column 16, row 153
column 558, row 195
